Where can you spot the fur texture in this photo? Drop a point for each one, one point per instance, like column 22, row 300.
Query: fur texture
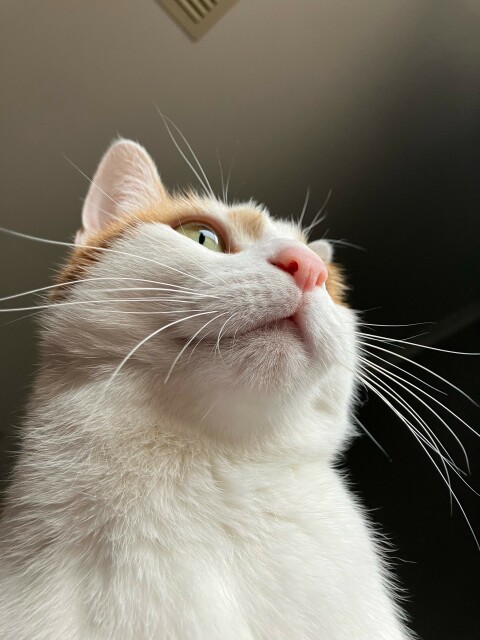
column 189, row 490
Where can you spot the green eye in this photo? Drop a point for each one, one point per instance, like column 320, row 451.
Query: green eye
column 201, row 233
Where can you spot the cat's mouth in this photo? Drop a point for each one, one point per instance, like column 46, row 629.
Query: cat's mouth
column 288, row 323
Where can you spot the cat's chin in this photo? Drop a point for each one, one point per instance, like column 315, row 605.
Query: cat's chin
column 270, row 358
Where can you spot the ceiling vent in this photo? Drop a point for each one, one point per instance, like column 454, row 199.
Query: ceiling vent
column 196, row 17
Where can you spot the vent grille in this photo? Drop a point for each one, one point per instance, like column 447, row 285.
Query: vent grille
column 196, row 17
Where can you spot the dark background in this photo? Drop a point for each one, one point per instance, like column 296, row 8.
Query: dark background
column 378, row 101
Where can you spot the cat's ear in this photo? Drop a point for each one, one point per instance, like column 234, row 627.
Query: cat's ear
column 323, row 249
column 126, row 182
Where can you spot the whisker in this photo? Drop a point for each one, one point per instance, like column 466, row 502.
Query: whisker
column 452, row 413
column 304, row 208
column 72, row 282
column 372, row 377
column 210, row 410
column 401, row 341
column 445, row 461
column 408, row 373
column 139, row 345
column 222, row 182
column 25, row 317
column 376, row 386
column 152, row 335
column 398, row 380
column 73, row 303
column 204, row 182
column 217, row 345
column 420, row 366
column 117, row 204
column 105, row 249
column 410, row 324
column 422, row 346
column 227, row 185
column 317, row 220
column 365, row 430
column 187, row 293
column 452, row 493
column 189, row 342
column 346, row 244
column 198, row 343
column 145, row 313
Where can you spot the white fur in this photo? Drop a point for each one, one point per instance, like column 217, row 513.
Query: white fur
column 322, row 248
column 207, row 506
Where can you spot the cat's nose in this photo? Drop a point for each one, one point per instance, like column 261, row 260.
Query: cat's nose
column 305, row 267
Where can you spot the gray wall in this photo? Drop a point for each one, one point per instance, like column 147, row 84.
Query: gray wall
column 377, row 100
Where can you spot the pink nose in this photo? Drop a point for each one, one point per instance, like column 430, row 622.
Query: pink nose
column 305, row 267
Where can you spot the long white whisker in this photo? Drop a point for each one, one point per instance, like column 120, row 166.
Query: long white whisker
column 210, row 410
column 142, row 342
column 189, row 147
column 186, row 294
column 422, row 346
column 197, row 344
column 117, row 204
column 401, row 341
column 25, row 317
column 408, row 373
column 396, row 397
column 227, row 185
column 73, row 303
column 447, row 460
column 203, row 181
column 452, row 493
column 420, row 366
column 317, row 219
column 216, row 348
column 189, row 342
column 408, row 324
column 60, row 285
column 345, row 243
column 365, row 430
column 376, row 386
column 452, row 413
column 304, row 208
column 399, row 380
column 105, row 249
column 145, row 313
column 221, row 178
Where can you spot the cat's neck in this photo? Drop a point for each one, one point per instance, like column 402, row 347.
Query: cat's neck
column 229, row 422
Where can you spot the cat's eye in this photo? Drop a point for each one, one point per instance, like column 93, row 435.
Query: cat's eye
column 203, row 234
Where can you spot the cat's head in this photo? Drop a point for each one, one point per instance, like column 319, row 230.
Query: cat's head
column 223, row 314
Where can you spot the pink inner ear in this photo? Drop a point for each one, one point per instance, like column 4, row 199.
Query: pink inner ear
column 126, row 182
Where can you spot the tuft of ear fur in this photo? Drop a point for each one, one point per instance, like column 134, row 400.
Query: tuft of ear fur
column 126, row 182
column 323, row 249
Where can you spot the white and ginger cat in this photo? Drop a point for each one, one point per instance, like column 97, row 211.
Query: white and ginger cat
column 177, row 475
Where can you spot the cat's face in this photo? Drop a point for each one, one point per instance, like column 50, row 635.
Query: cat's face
column 217, row 308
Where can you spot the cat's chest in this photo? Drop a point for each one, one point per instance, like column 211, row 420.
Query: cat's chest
column 260, row 548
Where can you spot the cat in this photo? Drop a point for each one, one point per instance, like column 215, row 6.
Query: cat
column 178, row 474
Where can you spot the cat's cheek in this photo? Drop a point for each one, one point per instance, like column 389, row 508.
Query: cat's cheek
column 328, row 330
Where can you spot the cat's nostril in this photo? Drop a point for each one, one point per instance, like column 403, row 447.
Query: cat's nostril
column 290, row 268
column 305, row 267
